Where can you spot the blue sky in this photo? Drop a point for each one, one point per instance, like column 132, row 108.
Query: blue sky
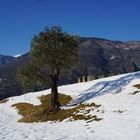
column 111, row 19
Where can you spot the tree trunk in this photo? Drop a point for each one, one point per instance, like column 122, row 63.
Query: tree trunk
column 54, row 94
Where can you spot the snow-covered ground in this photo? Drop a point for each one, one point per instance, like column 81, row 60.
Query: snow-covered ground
column 119, row 110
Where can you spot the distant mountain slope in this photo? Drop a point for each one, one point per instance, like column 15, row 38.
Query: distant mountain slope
column 9, row 70
column 98, row 57
column 104, row 56
column 119, row 102
column 9, row 86
column 6, row 60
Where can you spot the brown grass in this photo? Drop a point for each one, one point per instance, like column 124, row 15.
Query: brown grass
column 31, row 113
column 120, row 111
column 135, row 92
column 3, row 101
column 64, row 99
column 137, row 86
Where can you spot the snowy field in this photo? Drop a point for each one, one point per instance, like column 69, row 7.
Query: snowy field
column 119, row 109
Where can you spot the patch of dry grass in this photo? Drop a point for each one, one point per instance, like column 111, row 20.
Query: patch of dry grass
column 135, row 92
column 31, row 113
column 120, row 111
column 3, row 101
column 73, row 114
column 137, row 86
column 45, row 99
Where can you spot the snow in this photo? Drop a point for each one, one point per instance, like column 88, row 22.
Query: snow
column 119, row 110
column 113, row 57
column 127, row 48
column 18, row 55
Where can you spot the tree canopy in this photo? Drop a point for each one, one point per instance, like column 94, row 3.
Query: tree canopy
column 53, row 52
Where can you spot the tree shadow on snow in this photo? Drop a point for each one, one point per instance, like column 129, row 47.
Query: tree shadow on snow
column 104, row 87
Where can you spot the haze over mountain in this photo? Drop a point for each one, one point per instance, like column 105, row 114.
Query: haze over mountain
column 98, row 57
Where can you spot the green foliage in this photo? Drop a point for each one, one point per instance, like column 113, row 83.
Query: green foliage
column 53, row 52
column 27, row 76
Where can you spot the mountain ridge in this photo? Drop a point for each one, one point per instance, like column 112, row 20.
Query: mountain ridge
column 99, row 57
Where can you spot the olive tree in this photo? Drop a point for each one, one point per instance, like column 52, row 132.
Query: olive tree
column 53, row 52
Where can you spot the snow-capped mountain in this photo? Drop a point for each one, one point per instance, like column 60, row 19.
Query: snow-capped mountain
column 17, row 55
column 119, row 99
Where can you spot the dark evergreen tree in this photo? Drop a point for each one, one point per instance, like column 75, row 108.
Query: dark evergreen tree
column 136, row 68
column 53, row 52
